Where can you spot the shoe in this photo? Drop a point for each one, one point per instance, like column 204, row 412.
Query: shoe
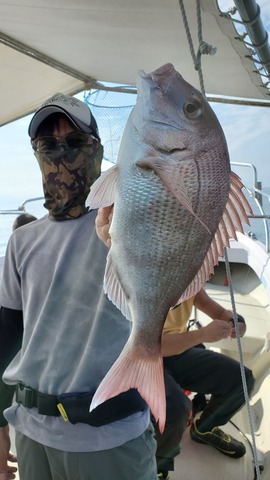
column 163, row 475
column 220, row 440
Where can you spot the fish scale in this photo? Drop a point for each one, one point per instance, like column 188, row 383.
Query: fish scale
column 173, row 195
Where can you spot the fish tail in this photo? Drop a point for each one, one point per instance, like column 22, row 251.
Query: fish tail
column 133, row 370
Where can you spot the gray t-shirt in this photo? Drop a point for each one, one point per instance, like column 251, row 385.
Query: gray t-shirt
column 53, row 272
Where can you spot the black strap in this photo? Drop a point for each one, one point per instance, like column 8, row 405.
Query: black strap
column 74, row 407
column 30, row 398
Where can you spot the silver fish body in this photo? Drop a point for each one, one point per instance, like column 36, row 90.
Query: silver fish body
column 170, row 189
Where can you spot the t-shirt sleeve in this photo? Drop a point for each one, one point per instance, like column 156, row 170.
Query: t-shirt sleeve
column 10, row 286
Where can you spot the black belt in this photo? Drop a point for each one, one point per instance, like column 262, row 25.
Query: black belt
column 30, row 398
column 74, row 407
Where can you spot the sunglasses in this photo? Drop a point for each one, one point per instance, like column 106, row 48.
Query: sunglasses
column 72, row 140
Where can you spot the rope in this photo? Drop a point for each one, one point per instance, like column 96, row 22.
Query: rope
column 242, row 369
column 204, row 47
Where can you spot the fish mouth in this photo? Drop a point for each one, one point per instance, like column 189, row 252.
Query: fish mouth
column 167, row 68
column 159, row 73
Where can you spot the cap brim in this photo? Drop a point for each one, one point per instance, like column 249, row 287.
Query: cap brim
column 47, row 110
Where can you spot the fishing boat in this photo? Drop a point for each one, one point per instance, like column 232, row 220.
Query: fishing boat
column 70, row 47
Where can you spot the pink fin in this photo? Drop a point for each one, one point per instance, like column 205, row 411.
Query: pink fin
column 114, row 289
column 238, row 198
column 132, row 370
column 102, row 193
column 234, row 215
column 177, row 188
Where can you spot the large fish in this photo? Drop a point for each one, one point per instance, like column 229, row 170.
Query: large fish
column 176, row 203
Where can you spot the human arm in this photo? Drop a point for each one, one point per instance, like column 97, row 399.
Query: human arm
column 221, row 327
column 103, row 222
column 214, row 310
column 176, row 343
column 11, row 330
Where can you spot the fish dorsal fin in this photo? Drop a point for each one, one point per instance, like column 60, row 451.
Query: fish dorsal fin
column 175, row 185
column 234, row 215
column 114, row 289
column 102, row 193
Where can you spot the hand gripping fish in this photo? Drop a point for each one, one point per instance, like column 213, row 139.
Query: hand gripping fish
column 176, row 204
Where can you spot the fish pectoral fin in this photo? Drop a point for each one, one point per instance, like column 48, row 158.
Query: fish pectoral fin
column 239, row 200
column 114, row 289
column 204, row 273
column 177, row 188
column 166, row 174
column 102, row 193
column 234, row 215
column 132, row 370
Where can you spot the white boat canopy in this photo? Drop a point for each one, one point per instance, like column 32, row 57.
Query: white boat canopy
column 61, row 45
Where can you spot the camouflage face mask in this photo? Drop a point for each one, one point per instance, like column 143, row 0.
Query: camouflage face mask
column 67, row 176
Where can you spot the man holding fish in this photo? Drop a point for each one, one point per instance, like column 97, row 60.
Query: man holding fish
column 59, row 333
column 165, row 240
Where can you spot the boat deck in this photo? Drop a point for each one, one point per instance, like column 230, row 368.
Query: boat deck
column 201, row 461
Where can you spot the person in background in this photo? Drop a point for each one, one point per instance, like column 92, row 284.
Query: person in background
column 23, row 219
column 188, row 365
column 59, row 334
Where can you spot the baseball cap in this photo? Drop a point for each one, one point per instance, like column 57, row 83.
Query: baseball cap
column 76, row 110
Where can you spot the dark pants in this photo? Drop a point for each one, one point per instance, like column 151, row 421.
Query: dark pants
column 178, row 408
column 134, row 460
column 206, row 372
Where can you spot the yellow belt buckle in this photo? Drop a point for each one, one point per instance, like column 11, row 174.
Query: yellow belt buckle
column 63, row 412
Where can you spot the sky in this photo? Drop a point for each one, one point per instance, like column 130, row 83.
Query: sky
column 246, row 130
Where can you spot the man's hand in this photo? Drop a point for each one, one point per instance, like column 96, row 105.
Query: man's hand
column 7, row 472
column 103, row 223
column 216, row 330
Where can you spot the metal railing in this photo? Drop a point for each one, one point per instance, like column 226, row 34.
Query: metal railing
column 21, row 208
column 254, row 192
column 257, row 194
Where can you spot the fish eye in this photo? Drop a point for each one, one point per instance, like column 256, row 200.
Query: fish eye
column 192, row 108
